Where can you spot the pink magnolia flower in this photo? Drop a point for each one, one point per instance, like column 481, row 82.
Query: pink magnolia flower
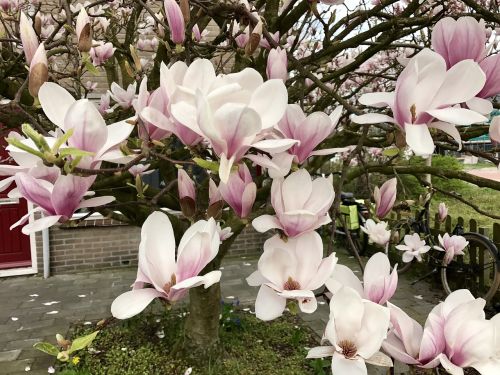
column 170, row 277
column 101, row 52
column 277, row 64
column 452, row 246
column 413, row 247
column 157, row 100
column 104, row 103
column 90, row 132
column 232, row 111
column 278, row 165
column 301, row 204
column 356, row 330
column 385, row 196
column 464, row 39
column 175, row 21
column 379, row 283
column 140, row 170
column 28, row 37
column 57, row 200
column 310, row 131
column 287, row 272
column 240, row 191
column 377, row 232
column 123, row 98
column 442, row 211
column 157, row 111
column 456, row 335
column 426, row 91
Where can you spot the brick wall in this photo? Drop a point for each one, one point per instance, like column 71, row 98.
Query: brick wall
column 103, row 243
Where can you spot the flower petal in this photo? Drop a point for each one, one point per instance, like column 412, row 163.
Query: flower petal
column 133, row 302
column 55, row 102
column 269, row 305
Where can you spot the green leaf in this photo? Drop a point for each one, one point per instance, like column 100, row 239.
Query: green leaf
column 47, row 347
column 17, row 143
column 62, row 140
column 91, row 68
column 82, row 342
column 74, row 152
column 207, row 164
column 393, row 151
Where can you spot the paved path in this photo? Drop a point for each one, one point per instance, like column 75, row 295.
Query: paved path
column 33, row 309
column 489, row 173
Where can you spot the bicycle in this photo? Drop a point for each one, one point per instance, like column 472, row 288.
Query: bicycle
column 477, row 270
column 354, row 214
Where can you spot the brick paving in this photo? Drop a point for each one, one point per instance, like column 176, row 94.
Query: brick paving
column 33, row 309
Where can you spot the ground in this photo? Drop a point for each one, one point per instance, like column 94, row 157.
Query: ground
column 33, row 309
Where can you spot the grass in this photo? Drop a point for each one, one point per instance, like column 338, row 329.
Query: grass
column 249, row 346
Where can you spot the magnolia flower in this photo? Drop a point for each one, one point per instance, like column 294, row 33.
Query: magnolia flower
column 385, row 197
column 225, row 233
column 442, row 211
column 140, row 170
column 169, row 277
column 104, row 103
column 414, row 247
column 101, row 52
column 90, row 132
column 39, row 71
column 355, row 331
column 301, row 204
column 28, row 37
column 123, row 98
column 57, row 201
column 451, row 245
column 264, row 43
column 377, row 232
column 456, row 335
column 240, row 191
column 379, row 283
column 427, row 91
column 465, row 39
column 278, row 165
column 310, row 131
column 277, row 64
column 175, row 21
column 83, row 31
column 155, row 109
column 231, row 111
column 158, row 100
column 287, row 272
column 187, row 193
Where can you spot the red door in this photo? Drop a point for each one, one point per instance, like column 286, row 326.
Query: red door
column 15, row 250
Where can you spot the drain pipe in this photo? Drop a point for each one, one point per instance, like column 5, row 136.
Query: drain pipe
column 46, row 252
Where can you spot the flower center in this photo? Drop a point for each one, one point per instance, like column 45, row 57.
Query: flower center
column 413, row 111
column 291, row 284
column 170, row 284
column 349, row 349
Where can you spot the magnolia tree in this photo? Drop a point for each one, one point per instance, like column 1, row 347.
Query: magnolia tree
column 247, row 115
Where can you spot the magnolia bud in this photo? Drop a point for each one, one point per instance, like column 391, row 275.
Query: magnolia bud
column 175, row 20
column 254, row 40
column 187, row 193
column 83, row 31
column 38, row 24
column 39, row 71
column 28, row 37
column 186, row 11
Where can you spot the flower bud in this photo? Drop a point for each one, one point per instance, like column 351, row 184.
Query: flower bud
column 442, row 211
column 28, row 37
column 277, row 64
column 38, row 24
column 385, row 197
column 215, row 200
column 187, row 193
column 254, row 40
column 175, row 20
column 83, row 31
column 39, row 71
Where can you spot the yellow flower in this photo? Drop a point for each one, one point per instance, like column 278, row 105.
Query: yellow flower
column 75, row 360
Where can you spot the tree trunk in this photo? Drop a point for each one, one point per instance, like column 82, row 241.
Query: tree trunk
column 201, row 335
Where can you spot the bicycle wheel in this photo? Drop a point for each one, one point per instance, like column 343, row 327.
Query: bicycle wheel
column 476, row 270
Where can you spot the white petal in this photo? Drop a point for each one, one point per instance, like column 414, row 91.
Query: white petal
column 270, row 102
column 40, row 224
column 256, row 279
column 480, row 105
column 265, row 222
column 321, row 352
column 371, row 118
column 419, row 139
column 378, row 99
column 342, row 365
column 133, row 302
column 225, row 166
column 269, row 305
column 449, row 129
column 97, row 201
column 274, row 146
column 55, row 102
column 206, row 280
column 458, row 116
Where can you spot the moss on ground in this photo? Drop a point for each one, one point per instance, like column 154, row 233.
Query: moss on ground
column 145, row 345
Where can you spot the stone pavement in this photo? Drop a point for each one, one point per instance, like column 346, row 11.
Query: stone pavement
column 33, row 309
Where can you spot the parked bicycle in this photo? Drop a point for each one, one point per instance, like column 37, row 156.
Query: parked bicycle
column 478, row 269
